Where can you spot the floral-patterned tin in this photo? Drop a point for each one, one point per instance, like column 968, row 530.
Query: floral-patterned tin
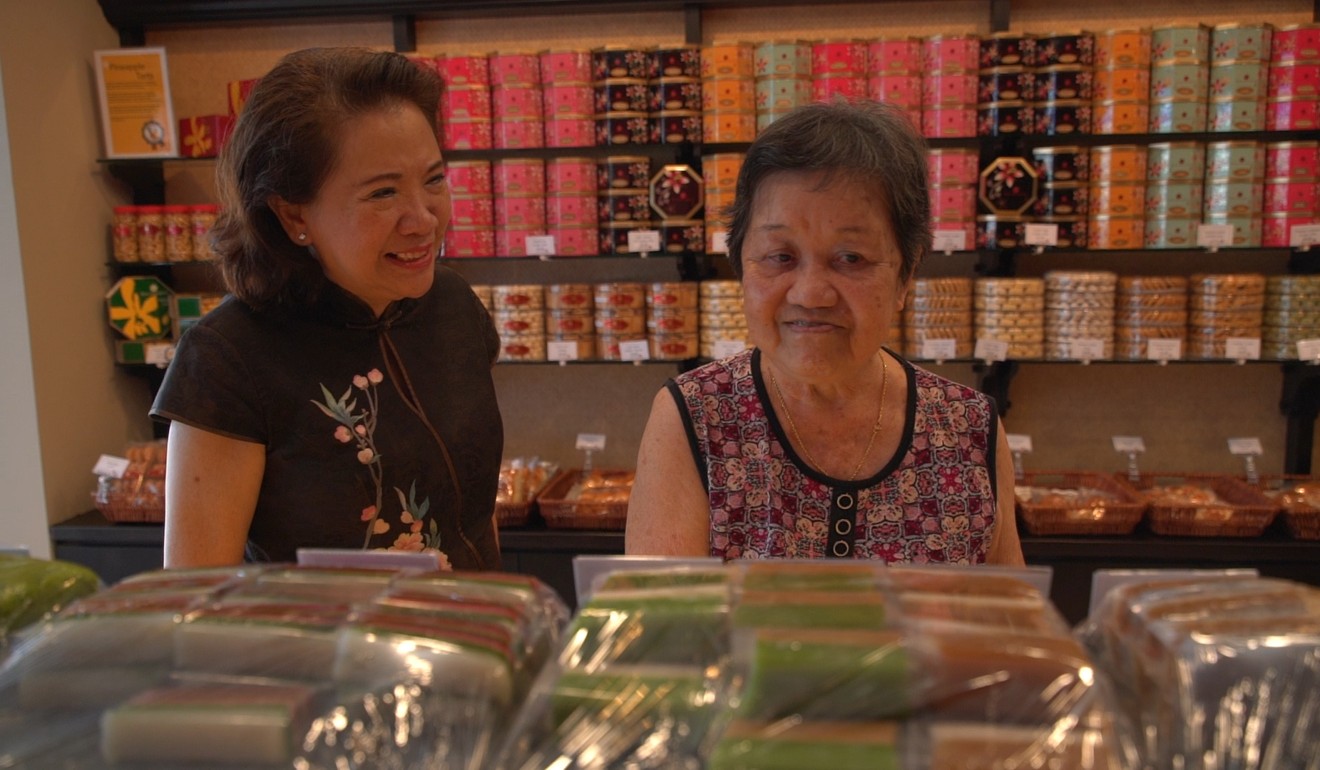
column 1180, row 43
column 1291, row 196
column 948, row 122
column 956, row 89
column 782, row 58
column 1287, row 114
column 1237, row 115
column 569, row 297
column 720, row 170
column 1175, row 116
column 470, row 210
column 614, row 237
column 511, row 241
column 1239, row 80
column 1294, row 80
column 1115, row 232
column 1062, row 199
column 1233, row 161
column 953, row 201
column 570, row 132
column 678, row 126
column 574, row 241
column 774, row 94
column 1296, row 43
column 622, row 62
column 1174, row 198
column 466, row 102
column 515, row 69
column 1117, row 198
column 1175, row 161
column 470, row 241
column 1171, row 232
column 1122, row 48
column 623, row 95
column 1248, row 231
column 623, row 172
column 1067, row 81
column 570, row 100
column 827, row 88
column 1292, row 160
column 1004, row 118
column 476, row 134
column 676, row 192
column 951, row 53
column 676, row 93
column 1121, row 83
column 953, row 165
column 680, row 61
column 566, row 65
column 838, row 57
column 1057, row 164
column 726, row 127
column 519, row 133
column 966, row 226
column 1186, row 81
column 572, row 210
column 1277, row 228
column 1066, row 48
column 1240, row 42
column 464, row 70
column 894, row 55
column 682, row 236
column 1062, row 117
column 616, row 128
column 1120, row 117
column 520, row 211
column 570, row 176
column 900, row 90
column 1234, row 198
column 1008, row 186
column 1072, row 231
column 624, row 206
column 728, row 60
column 1006, row 49
column 470, row 177
column 734, row 94
column 999, row 232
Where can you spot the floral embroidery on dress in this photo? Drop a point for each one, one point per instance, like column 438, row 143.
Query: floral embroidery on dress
column 357, row 427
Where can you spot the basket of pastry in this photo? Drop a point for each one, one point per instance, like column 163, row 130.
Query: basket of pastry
column 1076, row 503
column 596, row 499
column 1299, row 497
column 1205, row 505
column 521, row 480
column 137, row 494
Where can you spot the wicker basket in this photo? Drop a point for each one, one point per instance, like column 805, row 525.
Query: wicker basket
column 1110, row 518
column 509, row 513
column 124, row 511
column 1302, row 520
column 560, row 512
column 1244, row 511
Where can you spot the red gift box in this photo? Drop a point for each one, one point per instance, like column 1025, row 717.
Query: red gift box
column 202, row 136
column 239, row 90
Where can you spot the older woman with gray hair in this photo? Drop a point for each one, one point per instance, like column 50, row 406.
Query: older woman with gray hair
column 820, row 441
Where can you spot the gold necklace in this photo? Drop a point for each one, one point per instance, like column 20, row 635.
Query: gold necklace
column 879, row 417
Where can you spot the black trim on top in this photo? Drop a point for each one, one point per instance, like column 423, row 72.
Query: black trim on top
column 690, row 430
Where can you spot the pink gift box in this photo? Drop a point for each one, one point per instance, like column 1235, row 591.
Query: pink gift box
column 570, row 132
column 568, row 100
column 570, row 176
column 204, row 135
column 575, row 241
column 953, row 166
column 477, row 241
column 510, row 69
column 570, row 211
column 1292, row 160
column 942, row 122
column 467, row 135
column 519, row 133
column 1277, row 229
column 521, row 212
column 953, row 201
column 464, row 70
column 1291, row 197
column 1299, row 42
column 512, row 241
column 902, row 90
column 950, row 89
column 1291, row 114
column 848, row 87
column 838, row 57
column 465, row 103
column 517, row 102
column 896, row 55
column 951, row 53
column 563, row 67
column 1294, row 80
column 470, row 177
column 472, row 210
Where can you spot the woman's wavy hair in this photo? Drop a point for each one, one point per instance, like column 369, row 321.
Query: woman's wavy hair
column 871, row 143
column 286, row 143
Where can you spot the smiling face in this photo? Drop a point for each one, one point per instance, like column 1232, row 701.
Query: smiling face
column 821, row 275
column 378, row 220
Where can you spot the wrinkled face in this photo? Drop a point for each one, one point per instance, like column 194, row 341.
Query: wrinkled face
column 379, row 219
column 821, row 271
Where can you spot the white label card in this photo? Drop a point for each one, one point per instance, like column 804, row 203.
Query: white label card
column 644, row 241
column 634, row 350
column 559, row 350
column 1304, row 236
column 158, row 353
column 726, row 348
column 719, row 242
column 991, row 350
column 591, row 442
column 939, row 350
column 1214, row 236
column 1019, row 442
column 946, row 241
column 1245, row 446
column 1308, row 350
column 109, row 465
column 541, row 246
column 1163, row 350
column 1242, row 348
column 1087, row 349
column 1041, row 234
column 1129, row 444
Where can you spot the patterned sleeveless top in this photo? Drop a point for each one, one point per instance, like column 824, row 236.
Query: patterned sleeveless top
column 933, row 502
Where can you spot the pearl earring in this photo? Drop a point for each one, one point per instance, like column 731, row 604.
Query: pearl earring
column 302, row 236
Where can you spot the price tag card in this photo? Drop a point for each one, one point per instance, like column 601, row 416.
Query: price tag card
column 1242, row 348
column 1163, row 350
column 1245, row 446
column 561, row 350
column 540, row 245
column 1309, row 350
column 1304, row 236
column 726, row 348
column 947, row 241
column 109, row 465
column 1019, row 442
column 644, row 241
column 158, row 353
column 1041, row 234
column 939, row 350
column 634, row 350
column 991, row 350
column 1129, row 444
column 1214, row 236
column 719, row 242
column 1087, row 349
column 591, row 442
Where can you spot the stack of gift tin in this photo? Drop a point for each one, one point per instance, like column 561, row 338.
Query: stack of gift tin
column 1292, row 189
column 570, row 320
column 938, row 309
column 465, row 104
column 1294, row 84
column 676, row 199
column 1235, row 189
column 1179, row 78
column 671, row 320
column 621, row 83
column 1149, row 307
column 519, row 316
column 571, row 214
column 949, row 55
column 1007, row 190
column 953, row 181
column 1065, row 192
column 515, row 93
column 623, row 199
column 568, row 99
column 838, row 70
column 1079, row 314
column 783, row 78
column 719, row 172
column 1011, row 310
column 728, row 86
column 1174, row 193
column 893, row 74
column 1006, row 85
column 1223, row 308
column 1239, row 75
column 620, row 317
column 519, row 204
column 1292, row 314
column 1121, row 88
column 722, row 325
column 471, row 230
column 1063, row 83
column 1118, row 193
column 677, row 94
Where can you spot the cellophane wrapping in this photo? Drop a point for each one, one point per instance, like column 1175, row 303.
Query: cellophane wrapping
column 32, row 588
column 779, row 665
column 278, row 666
column 1214, row 672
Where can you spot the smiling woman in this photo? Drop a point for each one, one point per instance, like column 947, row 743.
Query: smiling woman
column 821, row 442
column 342, row 396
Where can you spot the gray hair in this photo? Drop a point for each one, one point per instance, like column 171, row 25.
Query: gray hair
column 871, row 143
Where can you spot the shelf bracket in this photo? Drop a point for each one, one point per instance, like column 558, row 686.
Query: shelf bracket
column 146, row 180
column 993, row 379
column 134, row 36
column 1300, row 405
column 999, row 15
column 692, row 23
column 405, row 33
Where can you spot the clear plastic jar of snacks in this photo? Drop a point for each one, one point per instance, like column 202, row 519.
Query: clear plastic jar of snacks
column 151, row 233
column 202, row 218
column 177, row 222
column 123, row 232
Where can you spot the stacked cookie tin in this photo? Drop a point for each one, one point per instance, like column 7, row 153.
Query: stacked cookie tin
column 1223, row 307
column 1121, row 82
column 1149, row 308
column 671, row 320
column 1239, row 75
column 719, row 172
column 949, row 55
column 1063, row 83
column 893, row 74
column 570, row 319
column 1235, row 188
column 571, row 213
column 1293, row 96
column 1118, row 192
column 466, row 113
column 515, row 91
column 520, row 203
column 677, row 94
column 1292, row 314
column 1079, row 314
column 938, row 309
column 1174, row 194
column 728, row 87
column 621, row 77
column 623, row 198
column 953, row 185
column 1065, row 192
column 1011, row 310
column 838, row 70
column 471, row 230
column 568, row 98
column 518, row 311
column 620, row 317
column 783, row 78
column 722, row 325
column 676, row 198
column 1179, row 78
column 1292, row 189
column 1008, row 69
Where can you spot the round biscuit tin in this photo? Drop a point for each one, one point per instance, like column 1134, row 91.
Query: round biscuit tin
column 570, row 321
column 523, row 296
column 569, row 297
